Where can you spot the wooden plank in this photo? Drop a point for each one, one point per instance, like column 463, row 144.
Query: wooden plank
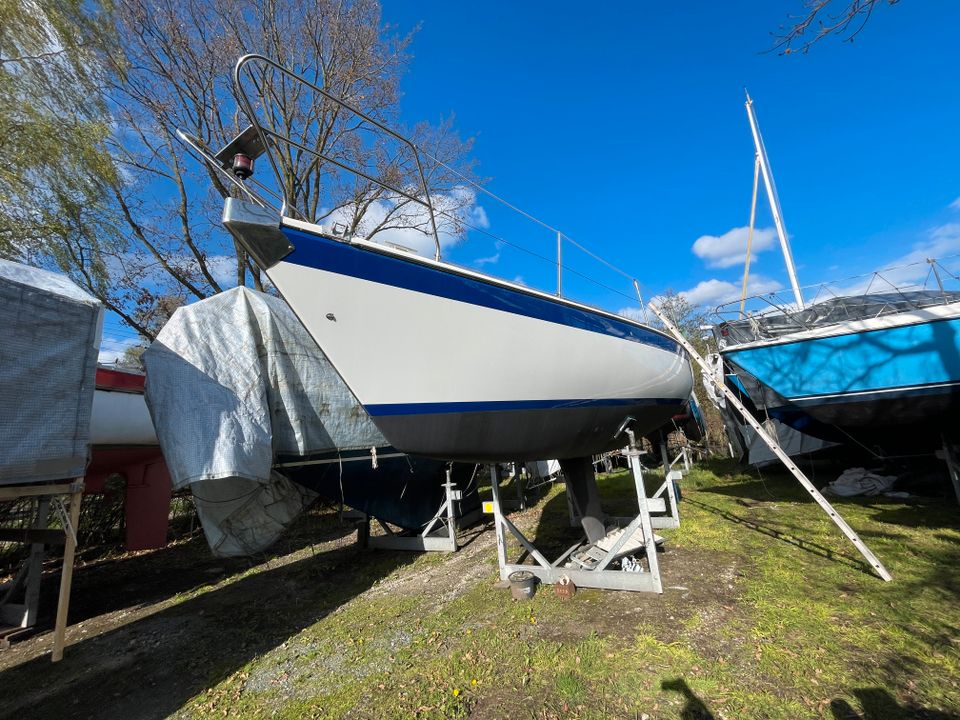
column 12, row 632
column 30, row 536
column 31, row 597
column 66, row 578
column 15, row 492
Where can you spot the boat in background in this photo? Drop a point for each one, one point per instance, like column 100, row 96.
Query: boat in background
column 418, row 340
column 744, row 442
column 125, row 456
column 120, row 417
column 878, row 369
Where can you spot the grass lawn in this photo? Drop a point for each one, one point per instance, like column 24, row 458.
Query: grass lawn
column 768, row 612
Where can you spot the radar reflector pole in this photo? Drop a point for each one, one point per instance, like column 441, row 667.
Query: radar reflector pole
column 774, row 447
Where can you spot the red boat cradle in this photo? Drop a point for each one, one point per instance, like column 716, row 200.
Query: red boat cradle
column 147, row 493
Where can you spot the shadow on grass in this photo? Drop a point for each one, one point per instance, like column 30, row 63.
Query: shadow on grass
column 151, row 667
column 693, row 707
column 878, row 704
column 926, row 510
column 928, row 514
column 107, row 585
column 785, row 537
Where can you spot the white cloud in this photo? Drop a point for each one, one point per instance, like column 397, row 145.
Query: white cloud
column 223, row 269
column 633, row 313
column 715, row 292
column 731, row 248
column 940, row 242
column 411, row 227
column 955, row 205
column 478, row 216
column 113, row 348
column 491, row 260
column 910, row 269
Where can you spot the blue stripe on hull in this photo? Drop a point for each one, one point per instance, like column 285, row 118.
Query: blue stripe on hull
column 386, row 410
column 345, row 259
column 906, row 357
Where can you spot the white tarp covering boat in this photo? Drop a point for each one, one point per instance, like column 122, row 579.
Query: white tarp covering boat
column 48, row 362
column 232, row 382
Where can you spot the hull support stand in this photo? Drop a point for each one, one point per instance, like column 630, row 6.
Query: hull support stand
column 15, row 618
column 953, row 466
column 587, row 563
column 438, row 535
column 671, row 483
column 775, row 448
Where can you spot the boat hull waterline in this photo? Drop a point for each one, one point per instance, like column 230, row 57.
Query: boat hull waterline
column 456, row 365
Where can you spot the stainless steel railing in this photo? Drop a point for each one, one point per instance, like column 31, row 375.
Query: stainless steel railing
column 867, row 296
column 254, row 90
column 269, row 137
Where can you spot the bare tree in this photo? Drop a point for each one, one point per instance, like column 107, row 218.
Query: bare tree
column 690, row 318
column 826, row 17
column 173, row 70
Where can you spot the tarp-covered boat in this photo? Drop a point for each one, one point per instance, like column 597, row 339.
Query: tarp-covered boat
column 253, row 418
column 48, row 362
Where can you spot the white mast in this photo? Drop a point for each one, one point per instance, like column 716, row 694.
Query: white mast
column 774, row 202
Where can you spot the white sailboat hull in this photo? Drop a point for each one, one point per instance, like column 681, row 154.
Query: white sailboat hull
column 457, row 365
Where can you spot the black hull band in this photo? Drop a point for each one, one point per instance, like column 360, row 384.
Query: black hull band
column 522, row 435
column 906, row 422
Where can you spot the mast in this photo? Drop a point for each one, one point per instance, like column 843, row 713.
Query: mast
column 774, row 202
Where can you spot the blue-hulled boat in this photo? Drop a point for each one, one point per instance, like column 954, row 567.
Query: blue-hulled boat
column 880, row 369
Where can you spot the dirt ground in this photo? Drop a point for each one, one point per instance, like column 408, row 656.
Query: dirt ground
column 151, row 630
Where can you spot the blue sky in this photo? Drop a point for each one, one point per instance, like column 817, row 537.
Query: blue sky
column 623, row 125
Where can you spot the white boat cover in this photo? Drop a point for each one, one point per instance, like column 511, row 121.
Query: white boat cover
column 543, row 469
column 860, row 481
column 48, row 365
column 233, row 381
column 831, row 312
column 793, row 442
